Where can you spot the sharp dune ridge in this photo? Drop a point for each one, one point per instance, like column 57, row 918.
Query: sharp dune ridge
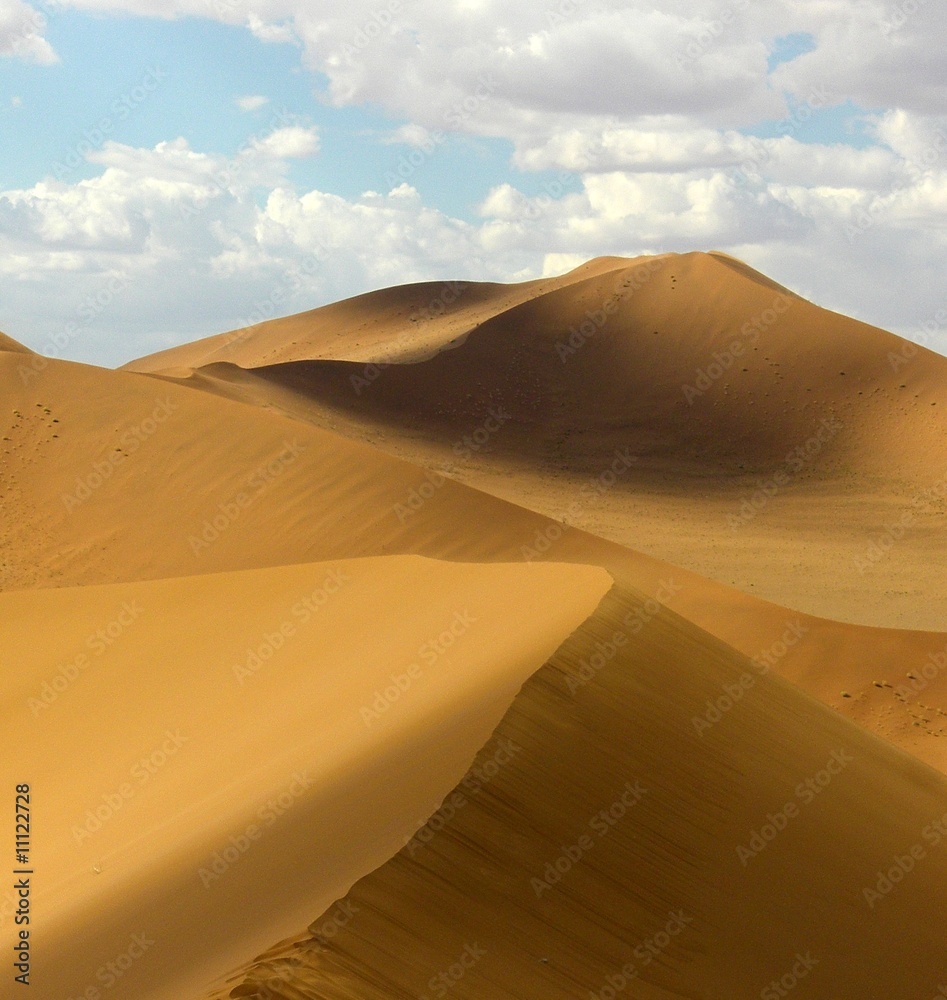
column 245, row 729
column 226, row 486
column 614, row 823
column 547, row 748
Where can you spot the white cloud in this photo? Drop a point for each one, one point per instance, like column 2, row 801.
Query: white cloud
column 271, row 32
column 292, row 142
column 21, row 33
column 647, row 104
column 205, row 243
column 252, row 102
column 416, row 136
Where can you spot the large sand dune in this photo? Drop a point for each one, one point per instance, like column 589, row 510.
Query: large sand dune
column 616, row 856
column 696, row 793
column 213, row 760
column 160, row 480
column 748, row 412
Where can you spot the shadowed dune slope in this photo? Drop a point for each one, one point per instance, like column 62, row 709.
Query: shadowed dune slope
column 215, row 759
column 762, row 441
column 602, row 860
column 130, row 478
column 403, row 323
column 692, row 360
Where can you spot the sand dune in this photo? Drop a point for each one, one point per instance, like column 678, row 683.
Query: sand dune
column 604, row 358
column 604, row 860
column 747, row 412
column 216, row 759
column 165, row 481
column 698, row 793
column 9, row 344
column 405, row 323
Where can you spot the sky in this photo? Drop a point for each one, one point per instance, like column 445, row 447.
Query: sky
column 175, row 168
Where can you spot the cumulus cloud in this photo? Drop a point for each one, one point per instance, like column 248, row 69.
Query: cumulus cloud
column 644, row 110
column 205, row 242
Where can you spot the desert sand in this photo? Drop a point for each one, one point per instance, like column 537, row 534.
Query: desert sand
column 188, row 737
column 749, row 413
column 681, row 757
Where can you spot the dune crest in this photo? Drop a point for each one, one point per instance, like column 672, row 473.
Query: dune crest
column 745, row 411
column 248, row 730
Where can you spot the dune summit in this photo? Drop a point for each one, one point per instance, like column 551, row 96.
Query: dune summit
column 728, row 405
column 438, row 642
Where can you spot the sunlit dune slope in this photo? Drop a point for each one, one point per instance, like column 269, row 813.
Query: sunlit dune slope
column 127, row 478
column 692, row 359
column 9, row 344
column 622, row 853
column 761, row 440
column 403, row 323
column 214, row 759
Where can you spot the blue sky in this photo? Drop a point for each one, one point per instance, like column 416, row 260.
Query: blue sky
column 205, row 68
column 199, row 157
